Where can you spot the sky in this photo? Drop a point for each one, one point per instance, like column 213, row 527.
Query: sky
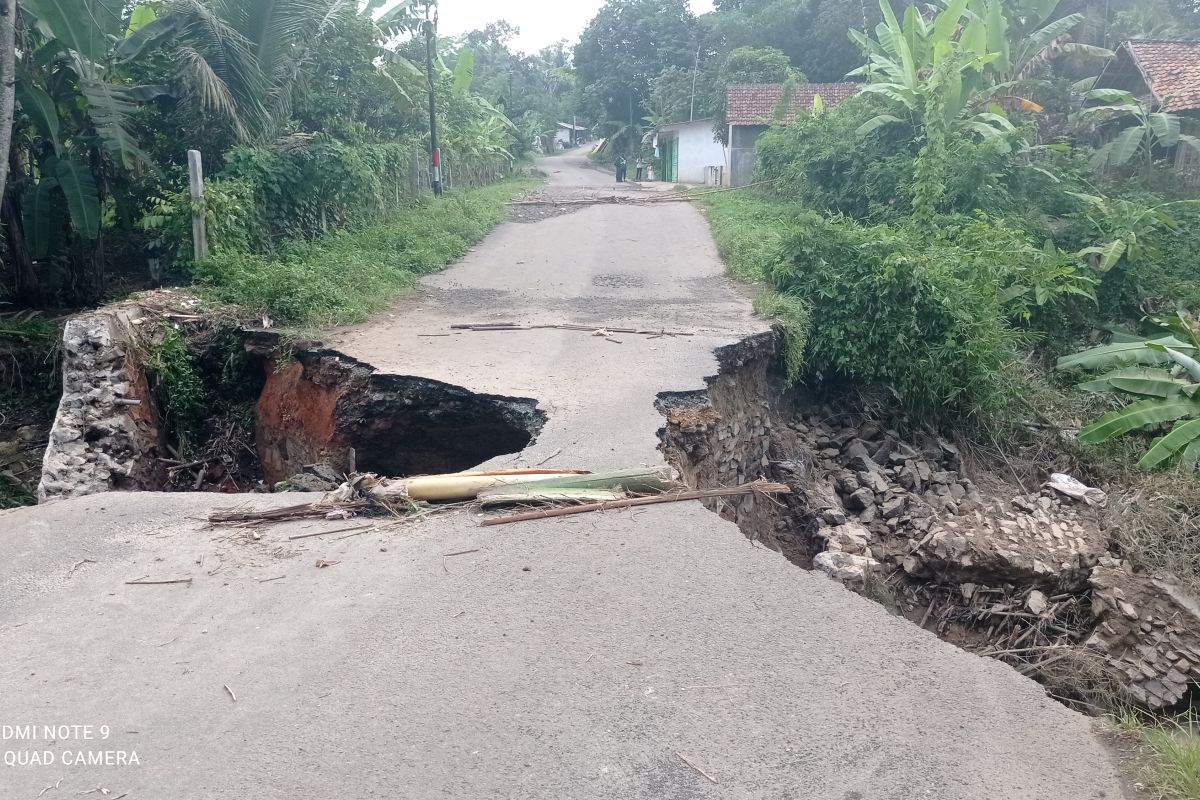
column 542, row 22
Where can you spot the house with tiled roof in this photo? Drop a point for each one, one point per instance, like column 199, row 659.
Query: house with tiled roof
column 1163, row 73
column 750, row 108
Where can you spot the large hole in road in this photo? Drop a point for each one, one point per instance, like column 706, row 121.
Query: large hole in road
column 327, row 408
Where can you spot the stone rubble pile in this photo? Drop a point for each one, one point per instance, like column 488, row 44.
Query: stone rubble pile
column 912, row 507
column 1149, row 629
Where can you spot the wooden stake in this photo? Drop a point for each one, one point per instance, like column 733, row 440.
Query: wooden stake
column 196, row 187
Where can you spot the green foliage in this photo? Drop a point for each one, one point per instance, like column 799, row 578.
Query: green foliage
column 1165, row 385
column 179, row 386
column 626, row 45
column 346, row 275
column 812, row 34
column 1143, row 133
column 891, row 307
column 26, row 328
column 935, row 319
column 1171, row 753
column 756, row 65
column 13, row 493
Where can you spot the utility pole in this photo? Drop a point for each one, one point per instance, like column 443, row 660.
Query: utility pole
column 435, row 152
column 695, row 72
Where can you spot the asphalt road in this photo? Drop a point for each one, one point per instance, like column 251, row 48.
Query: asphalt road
column 656, row 654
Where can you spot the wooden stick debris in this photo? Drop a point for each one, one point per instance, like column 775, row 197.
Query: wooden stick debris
column 141, row 582
column 565, row 326
column 231, row 694
column 460, row 553
column 757, row 487
column 685, row 760
column 326, row 533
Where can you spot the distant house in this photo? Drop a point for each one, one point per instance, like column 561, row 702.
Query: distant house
column 1165, row 75
column 690, row 153
column 1161, row 73
column 569, row 135
column 749, row 108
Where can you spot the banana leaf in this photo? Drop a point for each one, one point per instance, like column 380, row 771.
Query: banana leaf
column 1118, row 353
column 1191, row 456
column 658, row 479
column 527, row 495
column 1136, row 380
column 1181, row 436
column 1141, row 414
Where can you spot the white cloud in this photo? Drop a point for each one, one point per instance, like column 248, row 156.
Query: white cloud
column 541, row 22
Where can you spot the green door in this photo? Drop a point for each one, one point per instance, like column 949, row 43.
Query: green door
column 670, row 159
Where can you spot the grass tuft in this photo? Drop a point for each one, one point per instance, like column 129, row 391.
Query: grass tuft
column 1170, row 752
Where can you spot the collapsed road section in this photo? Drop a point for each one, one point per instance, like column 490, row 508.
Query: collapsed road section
column 119, row 426
column 1024, row 573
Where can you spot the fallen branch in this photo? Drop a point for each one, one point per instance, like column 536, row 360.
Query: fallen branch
column 685, row 760
column 140, row 582
column 326, row 533
column 757, row 487
column 302, row 511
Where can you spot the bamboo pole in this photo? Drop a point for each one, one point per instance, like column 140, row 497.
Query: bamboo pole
column 758, row 487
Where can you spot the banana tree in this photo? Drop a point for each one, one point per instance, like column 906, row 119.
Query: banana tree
column 1160, row 375
column 1144, row 131
column 923, row 65
column 78, row 105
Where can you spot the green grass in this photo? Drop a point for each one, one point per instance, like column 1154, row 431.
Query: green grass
column 1170, row 751
column 13, row 494
column 749, row 230
column 346, row 276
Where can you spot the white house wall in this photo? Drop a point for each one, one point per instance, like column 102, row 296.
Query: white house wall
column 698, row 151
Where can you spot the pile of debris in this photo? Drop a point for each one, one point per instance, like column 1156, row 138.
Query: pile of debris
column 552, row 492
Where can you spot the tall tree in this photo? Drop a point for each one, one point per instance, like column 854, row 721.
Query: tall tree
column 625, row 46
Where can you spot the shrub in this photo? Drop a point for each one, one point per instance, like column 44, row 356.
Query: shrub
column 821, row 161
column 889, row 308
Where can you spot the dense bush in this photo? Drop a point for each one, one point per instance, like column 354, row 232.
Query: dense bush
column 890, row 308
column 812, row 161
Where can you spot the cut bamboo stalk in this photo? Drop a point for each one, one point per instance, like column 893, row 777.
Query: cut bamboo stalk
column 758, row 487
column 524, row 495
column 468, row 486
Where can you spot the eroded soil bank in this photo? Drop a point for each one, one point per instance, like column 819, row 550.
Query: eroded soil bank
column 1022, row 573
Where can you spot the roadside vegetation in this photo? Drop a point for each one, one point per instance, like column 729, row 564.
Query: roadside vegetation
column 345, row 276
column 933, row 238
column 1168, row 751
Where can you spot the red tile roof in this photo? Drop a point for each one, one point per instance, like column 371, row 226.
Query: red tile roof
column 1171, row 70
column 752, row 103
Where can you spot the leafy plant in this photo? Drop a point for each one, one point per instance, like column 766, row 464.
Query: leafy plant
column 926, row 68
column 1123, row 228
column 1142, row 133
column 179, row 385
column 1164, row 376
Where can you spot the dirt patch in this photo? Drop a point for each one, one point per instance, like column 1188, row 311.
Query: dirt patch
column 1024, row 576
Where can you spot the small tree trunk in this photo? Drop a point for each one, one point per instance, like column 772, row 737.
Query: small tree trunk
column 8, row 82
